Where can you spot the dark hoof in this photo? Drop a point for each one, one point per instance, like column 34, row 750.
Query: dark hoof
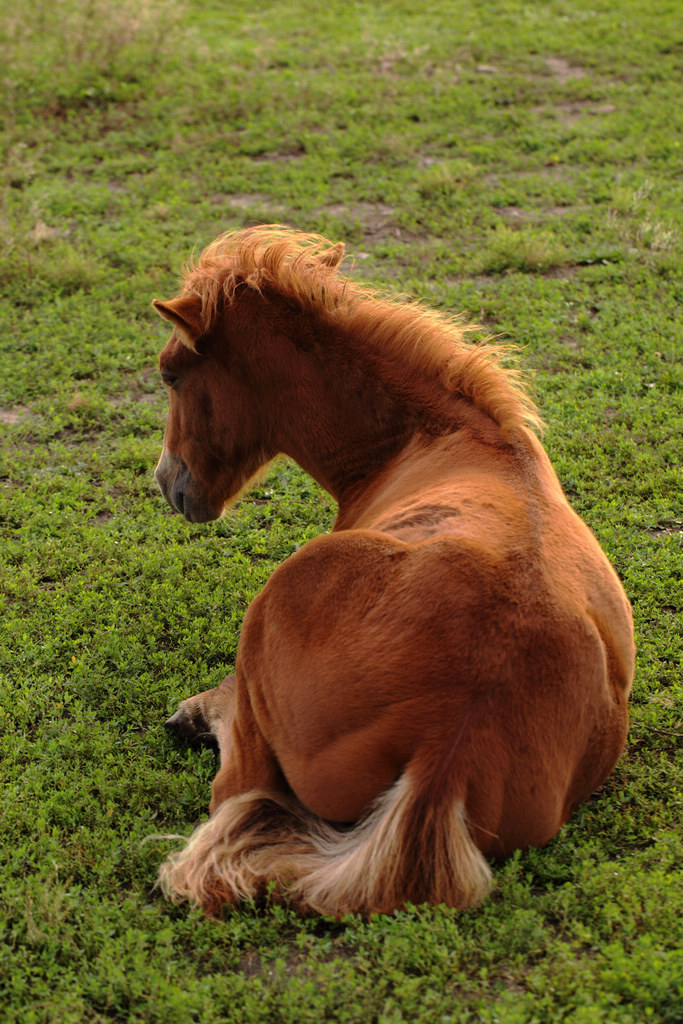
column 192, row 728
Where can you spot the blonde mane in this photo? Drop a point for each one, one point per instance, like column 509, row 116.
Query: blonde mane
column 302, row 268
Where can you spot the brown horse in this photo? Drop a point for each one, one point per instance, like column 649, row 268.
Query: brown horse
column 442, row 678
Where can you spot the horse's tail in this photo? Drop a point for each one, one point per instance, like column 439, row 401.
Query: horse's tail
column 413, row 846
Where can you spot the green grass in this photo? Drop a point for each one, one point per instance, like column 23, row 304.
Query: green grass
column 518, row 161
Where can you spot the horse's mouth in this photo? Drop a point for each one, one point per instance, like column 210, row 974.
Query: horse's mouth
column 177, row 486
column 187, row 505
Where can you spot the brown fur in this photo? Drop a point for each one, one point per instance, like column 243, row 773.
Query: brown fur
column 442, row 678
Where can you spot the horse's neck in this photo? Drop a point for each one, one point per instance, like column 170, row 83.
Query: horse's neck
column 344, row 442
column 421, row 464
column 468, row 460
column 386, row 464
column 349, row 428
column 349, row 415
column 336, row 416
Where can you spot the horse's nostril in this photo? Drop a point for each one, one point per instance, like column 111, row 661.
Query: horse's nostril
column 178, row 497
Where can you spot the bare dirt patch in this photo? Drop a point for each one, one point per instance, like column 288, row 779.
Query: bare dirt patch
column 666, row 531
column 518, row 215
column 280, row 158
column 375, row 219
column 246, row 201
column 373, row 216
column 570, row 112
column 514, row 214
column 562, row 70
column 559, row 172
column 13, row 415
column 564, row 273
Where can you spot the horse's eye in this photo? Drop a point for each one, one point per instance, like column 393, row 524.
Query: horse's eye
column 168, row 378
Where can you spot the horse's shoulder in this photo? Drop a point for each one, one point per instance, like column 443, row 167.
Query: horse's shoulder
column 344, row 575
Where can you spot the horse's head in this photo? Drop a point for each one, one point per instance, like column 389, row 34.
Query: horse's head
column 212, row 443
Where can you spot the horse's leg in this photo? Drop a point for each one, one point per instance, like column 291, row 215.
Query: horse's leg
column 207, row 717
column 256, row 833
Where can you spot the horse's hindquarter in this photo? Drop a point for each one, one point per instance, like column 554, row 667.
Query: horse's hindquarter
column 364, row 650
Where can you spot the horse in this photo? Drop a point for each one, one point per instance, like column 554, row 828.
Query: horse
column 442, row 678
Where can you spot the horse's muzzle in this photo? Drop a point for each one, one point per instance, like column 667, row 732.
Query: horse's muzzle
column 178, row 487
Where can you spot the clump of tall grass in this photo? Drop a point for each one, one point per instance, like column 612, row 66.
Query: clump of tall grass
column 57, row 58
column 79, row 53
column 445, row 177
column 630, row 216
column 527, row 249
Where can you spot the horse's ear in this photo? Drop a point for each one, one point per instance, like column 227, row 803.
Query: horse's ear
column 185, row 314
column 332, row 257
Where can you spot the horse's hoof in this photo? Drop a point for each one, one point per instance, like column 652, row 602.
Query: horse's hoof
column 192, row 728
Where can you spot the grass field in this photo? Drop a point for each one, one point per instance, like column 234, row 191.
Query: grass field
column 517, row 160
